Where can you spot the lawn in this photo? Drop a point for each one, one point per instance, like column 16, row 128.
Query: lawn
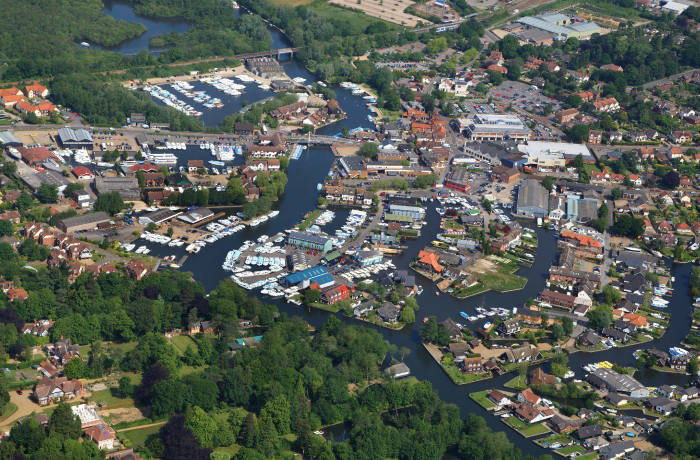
column 517, row 383
column 526, row 429
column 589, row 456
column 457, row 376
column 309, row 219
column 109, row 399
column 9, row 409
column 138, row 437
column 481, row 398
column 568, row 450
column 181, row 342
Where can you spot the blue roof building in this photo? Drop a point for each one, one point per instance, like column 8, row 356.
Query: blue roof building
column 304, row 278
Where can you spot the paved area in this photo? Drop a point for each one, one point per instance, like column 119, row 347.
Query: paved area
column 388, row 10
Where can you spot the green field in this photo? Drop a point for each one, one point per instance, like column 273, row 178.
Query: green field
column 457, row 376
column 518, row 382
column 526, row 429
column 9, row 409
column 138, row 437
column 568, row 450
column 181, row 342
column 480, row 397
column 109, row 399
column 589, row 456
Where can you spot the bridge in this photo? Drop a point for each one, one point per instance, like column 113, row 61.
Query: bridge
column 444, row 26
column 278, row 53
column 322, row 140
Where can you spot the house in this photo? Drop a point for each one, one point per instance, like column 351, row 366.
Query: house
column 562, row 425
column 589, row 431
column 16, row 294
column 458, row 349
column 48, row 390
column 681, row 136
column 509, row 327
column 42, row 109
column 595, row 136
column 540, row 377
column 615, row 334
column 498, row 398
column 611, row 67
column 83, row 173
column 607, row 105
column 136, row 269
column 36, row 91
column 527, row 396
column 11, row 215
column 616, row 399
column 389, row 312
column 38, row 328
column 566, row 115
column 589, row 339
column 662, row 405
column 616, row 450
column 102, row 435
column 472, row 365
column 519, row 355
column 452, row 329
column 48, row 369
column 530, row 414
column 335, row 294
column 429, row 260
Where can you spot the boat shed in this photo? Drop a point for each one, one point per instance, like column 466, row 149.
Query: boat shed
column 8, row 139
column 75, row 138
column 304, row 278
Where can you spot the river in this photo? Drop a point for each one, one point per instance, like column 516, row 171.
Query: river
column 154, row 27
column 301, row 196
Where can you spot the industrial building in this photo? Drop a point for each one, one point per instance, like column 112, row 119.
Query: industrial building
column 618, row 383
column 304, row 278
column 533, row 199
column 75, row 138
column 196, row 215
column 127, row 187
column 158, row 216
column 458, row 179
column 308, row 241
column 560, row 26
column 554, row 154
column 83, row 222
column 414, row 212
column 7, row 138
column 492, row 127
column 581, row 209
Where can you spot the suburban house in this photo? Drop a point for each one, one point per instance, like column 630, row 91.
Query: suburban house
column 48, row 390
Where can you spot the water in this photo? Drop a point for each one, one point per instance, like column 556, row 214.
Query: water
column 154, row 27
column 301, row 196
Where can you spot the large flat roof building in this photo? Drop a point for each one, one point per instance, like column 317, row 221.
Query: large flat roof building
column 75, row 138
column 553, row 154
column 561, row 26
column 304, row 278
column 127, row 187
column 533, row 199
column 496, row 127
column 309, row 241
column 83, row 222
column 618, row 383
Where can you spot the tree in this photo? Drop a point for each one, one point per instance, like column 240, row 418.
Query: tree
column 202, row 426
column 47, row 193
column 671, row 179
column 311, row 296
column 6, row 228
column 64, row 422
column 110, row 203
column 611, row 295
column 578, row 134
column 426, row 180
column 126, row 388
column 616, row 193
column 369, row 150
column 629, row 226
column 568, row 325
column 76, row 369
column 600, row 318
column 548, row 183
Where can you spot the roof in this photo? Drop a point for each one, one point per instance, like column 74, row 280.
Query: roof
column 80, row 170
column 74, row 135
column 100, row 433
column 90, row 218
column 8, row 137
column 309, row 274
column 568, row 150
column 532, row 194
column 430, row 258
column 307, row 237
column 529, row 396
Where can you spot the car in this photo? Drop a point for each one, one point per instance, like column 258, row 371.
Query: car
column 19, row 392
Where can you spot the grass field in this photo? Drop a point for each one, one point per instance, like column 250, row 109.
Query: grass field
column 589, row 456
column 138, row 437
column 527, row 430
column 518, row 382
column 181, row 342
column 109, row 399
column 9, row 409
column 568, row 450
column 480, row 397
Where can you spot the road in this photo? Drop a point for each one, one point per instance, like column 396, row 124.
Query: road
column 668, row 79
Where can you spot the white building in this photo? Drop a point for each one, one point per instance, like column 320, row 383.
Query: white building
column 496, row 127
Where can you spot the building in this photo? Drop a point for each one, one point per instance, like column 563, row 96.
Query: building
column 35, row 155
column 472, row 365
column 458, row 179
column 389, row 312
column 566, row 115
column 309, row 241
column 83, row 173
column 607, row 105
column 560, row 26
column 87, row 415
column 619, row 383
column 305, row 277
column 83, row 222
column 196, row 215
column 365, row 258
column 492, row 127
column 102, row 435
column 558, row 299
column 335, row 294
column 36, row 90
column 533, row 199
column 414, row 212
column 50, row 390
column 554, row 154
column 126, row 187
column 505, row 174
column 78, row 138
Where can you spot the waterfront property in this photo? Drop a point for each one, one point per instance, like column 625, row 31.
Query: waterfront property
column 305, row 240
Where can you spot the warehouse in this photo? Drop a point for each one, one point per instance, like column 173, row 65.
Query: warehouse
column 618, row 383
column 414, row 212
column 533, row 199
column 492, row 127
column 196, row 215
column 458, row 179
column 158, row 216
column 71, row 138
column 127, row 187
column 84, row 222
column 304, row 278
column 581, row 209
column 561, row 26
column 308, row 241
column 7, row 138
column 554, row 154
